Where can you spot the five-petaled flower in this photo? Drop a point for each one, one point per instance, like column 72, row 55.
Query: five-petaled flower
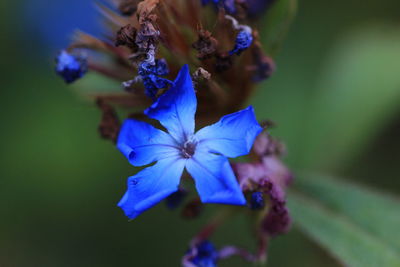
column 203, row 154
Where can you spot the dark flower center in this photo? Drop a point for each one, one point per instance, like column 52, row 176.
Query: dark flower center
column 188, row 149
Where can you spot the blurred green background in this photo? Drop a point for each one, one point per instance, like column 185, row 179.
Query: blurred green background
column 335, row 97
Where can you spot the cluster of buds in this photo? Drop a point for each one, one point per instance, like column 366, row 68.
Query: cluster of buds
column 264, row 181
column 153, row 39
column 146, row 44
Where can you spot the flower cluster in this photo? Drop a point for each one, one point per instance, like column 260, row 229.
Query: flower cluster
column 176, row 61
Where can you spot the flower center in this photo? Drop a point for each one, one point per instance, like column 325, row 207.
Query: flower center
column 188, row 149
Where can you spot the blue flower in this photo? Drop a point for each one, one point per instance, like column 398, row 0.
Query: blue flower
column 243, row 41
column 203, row 154
column 150, row 76
column 206, row 255
column 70, row 67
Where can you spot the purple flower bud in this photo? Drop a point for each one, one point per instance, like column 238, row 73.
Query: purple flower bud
column 192, row 209
column 270, row 176
column 278, row 220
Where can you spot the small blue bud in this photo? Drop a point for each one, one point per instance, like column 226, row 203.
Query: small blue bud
column 243, row 41
column 257, row 201
column 152, row 83
column 206, row 256
column 70, row 67
column 149, row 73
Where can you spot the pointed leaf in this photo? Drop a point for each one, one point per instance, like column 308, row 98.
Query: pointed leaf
column 347, row 241
column 376, row 213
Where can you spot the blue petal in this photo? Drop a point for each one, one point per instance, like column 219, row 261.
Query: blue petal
column 232, row 136
column 214, row 178
column 151, row 185
column 143, row 144
column 175, row 109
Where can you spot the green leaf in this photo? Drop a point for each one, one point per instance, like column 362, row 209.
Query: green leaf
column 356, row 225
column 358, row 94
column 349, row 243
column 377, row 213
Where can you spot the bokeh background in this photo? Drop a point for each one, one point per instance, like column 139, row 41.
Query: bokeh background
column 335, row 97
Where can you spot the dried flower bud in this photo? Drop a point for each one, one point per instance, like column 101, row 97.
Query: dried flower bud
column 223, row 62
column 193, row 209
column 201, row 75
column 109, row 124
column 126, row 36
column 128, row 7
column 264, row 67
column 206, row 45
column 278, row 220
column 271, row 177
column 265, row 145
column 147, row 37
column 145, row 9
